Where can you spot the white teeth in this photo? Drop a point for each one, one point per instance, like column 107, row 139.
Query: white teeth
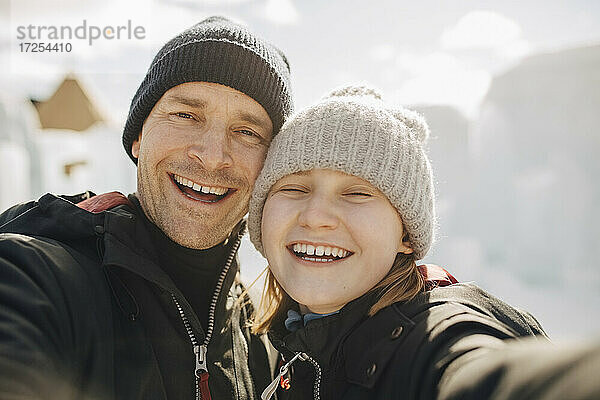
column 310, row 250
column 216, row 190
column 318, row 259
column 198, row 188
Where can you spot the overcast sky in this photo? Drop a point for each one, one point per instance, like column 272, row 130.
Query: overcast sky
column 426, row 52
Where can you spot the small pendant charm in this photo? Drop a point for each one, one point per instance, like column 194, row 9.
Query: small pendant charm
column 272, row 388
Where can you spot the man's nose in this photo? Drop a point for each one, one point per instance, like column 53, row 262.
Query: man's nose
column 319, row 213
column 212, row 148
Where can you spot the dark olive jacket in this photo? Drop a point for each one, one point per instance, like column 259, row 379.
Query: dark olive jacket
column 452, row 342
column 83, row 307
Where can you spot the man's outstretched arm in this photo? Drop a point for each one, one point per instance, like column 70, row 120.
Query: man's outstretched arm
column 523, row 369
column 35, row 328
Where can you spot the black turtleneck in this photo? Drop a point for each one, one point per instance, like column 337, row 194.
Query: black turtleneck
column 194, row 272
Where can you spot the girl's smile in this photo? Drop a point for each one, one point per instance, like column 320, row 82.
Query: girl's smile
column 330, row 237
column 318, row 252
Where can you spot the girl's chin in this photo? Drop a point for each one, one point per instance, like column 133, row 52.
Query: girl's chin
column 311, row 303
column 320, row 308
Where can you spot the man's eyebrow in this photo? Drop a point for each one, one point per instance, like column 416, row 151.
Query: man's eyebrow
column 254, row 119
column 188, row 101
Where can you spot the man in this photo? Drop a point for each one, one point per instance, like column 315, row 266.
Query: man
column 136, row 297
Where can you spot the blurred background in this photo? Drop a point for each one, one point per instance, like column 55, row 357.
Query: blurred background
column 511, row 90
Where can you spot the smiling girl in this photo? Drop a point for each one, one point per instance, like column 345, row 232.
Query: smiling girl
column 342, row 210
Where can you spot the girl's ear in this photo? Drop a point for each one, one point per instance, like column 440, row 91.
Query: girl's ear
column 405, row 248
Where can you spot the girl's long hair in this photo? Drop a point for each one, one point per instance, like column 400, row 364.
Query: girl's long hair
column 402, row 283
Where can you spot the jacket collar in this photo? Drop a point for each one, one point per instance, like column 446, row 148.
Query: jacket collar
column 348, row 344
column 128, row 245
column 319, row 338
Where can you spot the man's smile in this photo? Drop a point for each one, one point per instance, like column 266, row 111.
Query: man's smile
column 199, row 192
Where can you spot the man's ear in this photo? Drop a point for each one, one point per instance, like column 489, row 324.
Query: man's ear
column 135, row 147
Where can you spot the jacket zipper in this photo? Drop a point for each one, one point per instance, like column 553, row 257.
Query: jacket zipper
column 317, row 385
column 200, row 351
column 270, row 390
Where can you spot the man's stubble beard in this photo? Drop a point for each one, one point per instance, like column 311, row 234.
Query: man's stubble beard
column 209, row 231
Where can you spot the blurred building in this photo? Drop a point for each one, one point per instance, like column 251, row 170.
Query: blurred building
column 452, row 163
column 537, row 188
column 62, row 144
column 518, row 189
column 18, row 153
column 82, row 113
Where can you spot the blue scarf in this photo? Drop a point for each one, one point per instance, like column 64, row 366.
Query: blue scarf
column 295, row 320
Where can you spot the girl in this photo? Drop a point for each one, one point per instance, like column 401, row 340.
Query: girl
column 342, row 210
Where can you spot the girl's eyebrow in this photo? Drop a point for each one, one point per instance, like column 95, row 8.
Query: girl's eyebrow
column 301, row 173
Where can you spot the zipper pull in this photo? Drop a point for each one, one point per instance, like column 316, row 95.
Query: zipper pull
column 202, row 372
column 200, row 352
column 270, row 390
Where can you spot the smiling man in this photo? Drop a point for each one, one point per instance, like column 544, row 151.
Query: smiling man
column 198, row 154
column 137, row 297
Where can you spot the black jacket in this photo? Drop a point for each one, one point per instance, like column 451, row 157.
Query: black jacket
column 83, row 308
column 453, row 342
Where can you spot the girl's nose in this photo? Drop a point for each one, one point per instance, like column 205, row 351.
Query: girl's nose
column 319, row 213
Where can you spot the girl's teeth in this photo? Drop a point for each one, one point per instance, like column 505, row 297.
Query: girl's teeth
column 309, row 250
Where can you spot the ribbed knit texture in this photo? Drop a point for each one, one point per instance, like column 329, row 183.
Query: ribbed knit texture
column 215, row 50
column 353, row 131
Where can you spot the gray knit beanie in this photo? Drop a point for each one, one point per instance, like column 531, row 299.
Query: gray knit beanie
column 215, row 50
column 353, row 131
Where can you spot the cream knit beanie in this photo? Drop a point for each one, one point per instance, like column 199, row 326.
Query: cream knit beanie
column 353, row 131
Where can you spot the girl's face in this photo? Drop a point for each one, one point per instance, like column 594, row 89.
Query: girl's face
column 329, row 237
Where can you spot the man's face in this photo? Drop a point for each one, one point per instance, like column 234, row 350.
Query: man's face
column 199, row 153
